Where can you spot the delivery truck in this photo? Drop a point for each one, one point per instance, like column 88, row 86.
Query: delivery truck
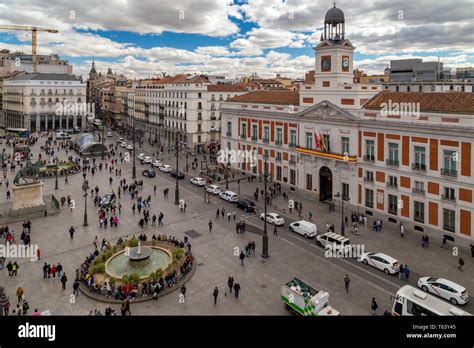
column 302, row 299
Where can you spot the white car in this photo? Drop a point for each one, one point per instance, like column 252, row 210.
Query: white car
column 454, row 293
column 157, row 164
column 381, row 261
column 229, row 196
column 198, row 181
column 109, row 134
column 120, row 140
column 129, row 147
column 214, row 189
column 123, row 144
column 165, row 168
column 147, row 160
column 141, row 156
column 274, row 219
column 304, row 228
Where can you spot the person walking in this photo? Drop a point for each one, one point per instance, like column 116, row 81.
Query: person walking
column 236, row 290
column 407, row 272
column 401, row 271
column 15, row 269
column 64, row 281
column 19, row 293
column 183, row 291
column 242, row 258
column 215, row 293
column 218, row 213
column 472, row 249
column 230, row 283
column 210, row 226
column 402, row 230
column 346, row 283
column 75, row 287
column 275, row 230
column 59, row 269
column 45, row 270
column 461, row 264
column 374, row 305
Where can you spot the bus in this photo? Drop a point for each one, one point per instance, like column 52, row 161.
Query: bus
column 410, row 301
column 17, row 132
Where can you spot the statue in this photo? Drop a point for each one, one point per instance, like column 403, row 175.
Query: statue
column 28, row 172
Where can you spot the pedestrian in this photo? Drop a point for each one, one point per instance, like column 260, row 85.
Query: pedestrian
column 59, row 269
column 401, row 271
column 230, row 283
column 374, row 305
column 64, row 281
column 472, row 249
column 14, row 269
column 210, row 226
column 407, row 272
column 183, row 291
column 26, row 307
column 242, row 258
column 45, row 270
column 275, row 230
column 236, row 290
column 75, row 287
column 215, row 293
column 346, row 283
column 218, row 213
column 19, row 293
column 402, row 230
column 461, row 264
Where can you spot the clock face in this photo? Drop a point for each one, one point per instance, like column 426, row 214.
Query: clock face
column 345, row 63
column 326, row 64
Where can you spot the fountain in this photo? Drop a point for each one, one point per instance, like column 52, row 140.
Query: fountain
column 138, row 254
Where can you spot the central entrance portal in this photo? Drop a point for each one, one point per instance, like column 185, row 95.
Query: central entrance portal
column 325, row 184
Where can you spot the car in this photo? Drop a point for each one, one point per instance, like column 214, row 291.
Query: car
column 214, row 189
column 331, row 239
column 454, row 293
column 175, row 174
column 123, row 144
column 246, row 204
column 76, row 129
column 141, row 156
column 304, row 228
column 149, row 173
column 109, row 134
column 107, row 200
column 146, row 160
column 381, row 261
column 198, row 181
column 229, row 196
column 120, row 140
column 129, row 147
column 157, row 163
column 165, row 168
column 273, row 218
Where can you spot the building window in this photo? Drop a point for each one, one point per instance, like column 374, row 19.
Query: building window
column 292, row 177
column 449, row 194
column 369, row 150
column 254, row 132
column 229, row 129
column 243, row 132
column 266, row 134
column 392, row 204
column 199, row 96
column 278, row 173
column 292, row 137
column 420, row 158
column 392, row 181
column 279, row 136
column 199, row 128
column 309, row 182
column 369, row 176
column 392, row 154
column 419, row 213
column 345, row 145
column 345, row 191
column 450, row 158
column 369, row 198
column 278, row 156
column 449, row 220
column 309, row 140
column 419, row 187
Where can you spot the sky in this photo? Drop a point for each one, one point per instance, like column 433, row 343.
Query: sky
column 144, row 38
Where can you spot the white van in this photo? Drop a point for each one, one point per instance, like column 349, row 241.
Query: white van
column 334, row 240
column 229, row 196
column 304, row 228
column 62, row 135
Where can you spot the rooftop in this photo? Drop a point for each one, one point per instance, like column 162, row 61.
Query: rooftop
column 279, row 97
column 227, row 88
column 44, row 76
column 450, row 102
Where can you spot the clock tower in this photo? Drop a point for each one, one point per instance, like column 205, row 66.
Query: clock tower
column 334, row 53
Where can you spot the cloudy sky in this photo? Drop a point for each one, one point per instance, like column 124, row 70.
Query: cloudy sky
column 142, row 38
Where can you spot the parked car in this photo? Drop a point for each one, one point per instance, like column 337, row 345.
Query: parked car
column 109, row 134
column 198, row 181
column 175, row 174
column 454, row 293
column 214, row 189
column 123, row 144
column 273, row 218
column 381, row 261
column 149, row 173
column 304, row 228
column 129, row 147
column 165, row 168
column 337, row 241
column 246, row 204
column 229, row 196
column 107, row 200
column 157, row 164
column 146, row 160
column 141, row 156
column 120, row 140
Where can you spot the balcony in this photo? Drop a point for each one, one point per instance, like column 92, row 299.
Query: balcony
column 42, row 93
column 449, row 228
column 254, row 138
column 228, row 134
column 278, row 159
column 33, row 103
column 369, row 204
column 369, row 158
column 418, row 191
column 243, row 136
column 448, row 198
column 266, row 140
column 292, row 145
column 368, row 179
column 418, row 166
column 292, row 162
column 392, row 162
column 327, row 154
column 278, row 142
column 392, row 184
column 449, row 172
column 213, row 118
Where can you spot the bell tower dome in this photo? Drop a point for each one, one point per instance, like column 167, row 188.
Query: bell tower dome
column 334, row 24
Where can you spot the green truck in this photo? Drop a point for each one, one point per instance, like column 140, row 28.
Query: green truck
column 302, row 299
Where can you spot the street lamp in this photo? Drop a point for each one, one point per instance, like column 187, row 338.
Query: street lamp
column 337, row 195
column 176, row 190
column 56, row 184
column 187, row 153
column 227, row 174
column 265, row 235
column 85, row 188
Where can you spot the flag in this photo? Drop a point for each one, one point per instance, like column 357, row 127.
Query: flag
column 323, row 142
column 317, row 141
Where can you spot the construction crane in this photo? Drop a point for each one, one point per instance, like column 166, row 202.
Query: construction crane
column 33, row 30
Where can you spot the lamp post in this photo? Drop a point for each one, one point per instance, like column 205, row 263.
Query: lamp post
column 85, row 188
column 134, row 168
column 56, row 183
column 265, row 235
column 227, row 174
column 187, row 153
column 342, row 211
column 176, row 190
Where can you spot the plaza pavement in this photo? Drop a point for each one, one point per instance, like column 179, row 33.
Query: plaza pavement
column 260, row 279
